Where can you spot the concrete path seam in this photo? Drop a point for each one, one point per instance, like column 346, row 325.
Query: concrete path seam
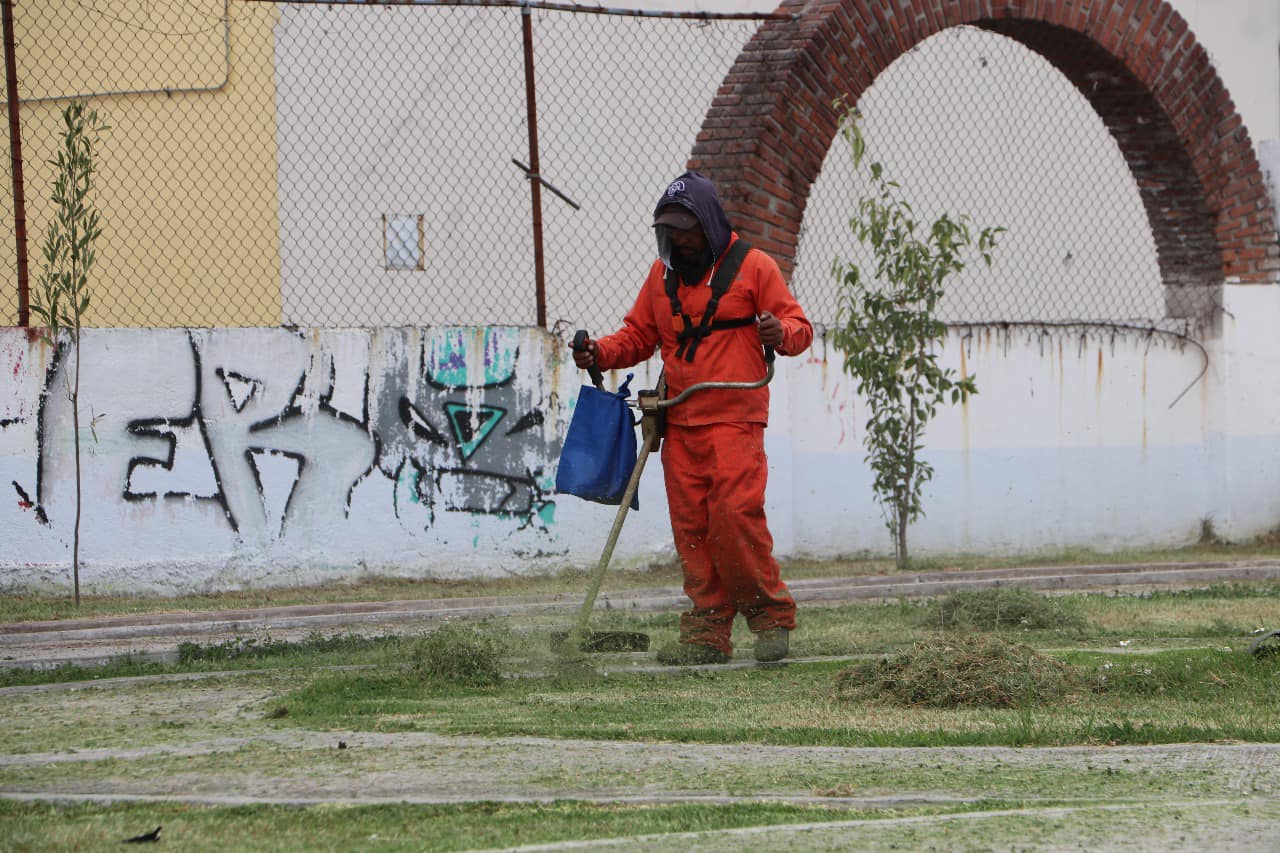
column 851, row 803
column 746, row 831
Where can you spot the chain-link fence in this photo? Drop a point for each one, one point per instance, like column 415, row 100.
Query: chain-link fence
column 971, row 122
column 344, row 165
column 355, row 164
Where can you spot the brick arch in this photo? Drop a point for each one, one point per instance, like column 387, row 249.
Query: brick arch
column 772, row 122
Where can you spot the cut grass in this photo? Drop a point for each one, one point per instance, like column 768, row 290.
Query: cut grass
column 316, row 650
column 32, row 826
column 985, row 825
column 457, row 653
column 962, row 672
column 1201, row 695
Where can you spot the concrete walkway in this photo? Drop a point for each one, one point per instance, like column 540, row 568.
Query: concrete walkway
column 156, row 636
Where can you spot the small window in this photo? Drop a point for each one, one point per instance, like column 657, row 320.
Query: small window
column 404, row 241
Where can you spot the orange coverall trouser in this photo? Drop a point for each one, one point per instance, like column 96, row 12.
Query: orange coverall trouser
column 715, row 477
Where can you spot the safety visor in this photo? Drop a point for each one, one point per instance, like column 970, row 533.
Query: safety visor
column 666, row 246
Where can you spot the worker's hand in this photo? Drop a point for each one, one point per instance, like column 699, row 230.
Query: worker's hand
column 586, row 356
column 770, row 329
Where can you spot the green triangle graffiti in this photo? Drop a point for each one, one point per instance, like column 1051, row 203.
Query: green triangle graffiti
column 472, row 424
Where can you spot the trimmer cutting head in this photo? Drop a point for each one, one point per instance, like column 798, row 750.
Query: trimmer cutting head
column 600, row 641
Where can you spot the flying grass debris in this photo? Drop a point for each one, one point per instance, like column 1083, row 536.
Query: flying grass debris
column 454, row 653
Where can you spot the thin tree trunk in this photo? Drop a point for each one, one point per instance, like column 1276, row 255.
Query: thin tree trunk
column 901, row 542
column 75, row 423
column 904, row 496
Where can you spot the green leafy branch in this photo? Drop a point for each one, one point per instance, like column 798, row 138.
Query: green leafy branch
column 61, row 298
column 888, row 330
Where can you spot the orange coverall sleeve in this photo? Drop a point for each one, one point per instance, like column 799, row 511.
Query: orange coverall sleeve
column 730, row 355
column 639, row 335
column 775, row 297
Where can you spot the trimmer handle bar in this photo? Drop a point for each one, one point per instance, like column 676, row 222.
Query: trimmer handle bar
column 580, row 339
column 741, row 386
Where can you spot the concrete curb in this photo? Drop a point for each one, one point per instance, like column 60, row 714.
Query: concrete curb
column 90, row 641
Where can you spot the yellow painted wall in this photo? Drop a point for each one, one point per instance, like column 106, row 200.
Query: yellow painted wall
column 187, row 187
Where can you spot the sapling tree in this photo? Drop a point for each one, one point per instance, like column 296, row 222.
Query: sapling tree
column 888, row 331
column 61, row 297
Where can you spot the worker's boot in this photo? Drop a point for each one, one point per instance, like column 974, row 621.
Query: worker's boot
column 772, row 645
column 690, row 654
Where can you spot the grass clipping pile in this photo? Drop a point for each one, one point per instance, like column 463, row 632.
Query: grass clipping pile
column 977, row 672
column 459, row 654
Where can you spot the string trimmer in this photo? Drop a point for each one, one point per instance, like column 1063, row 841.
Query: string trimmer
column 573, row 644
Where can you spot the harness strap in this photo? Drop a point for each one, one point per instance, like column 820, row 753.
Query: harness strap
column 689, row 335
column 716, row 326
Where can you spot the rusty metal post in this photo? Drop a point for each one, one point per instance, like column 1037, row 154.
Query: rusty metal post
column 535, row 178
column 15, row 157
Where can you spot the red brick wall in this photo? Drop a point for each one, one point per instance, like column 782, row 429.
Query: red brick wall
column 1153, row 85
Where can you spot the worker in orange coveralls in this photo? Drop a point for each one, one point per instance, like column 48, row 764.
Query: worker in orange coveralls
column 713, row 456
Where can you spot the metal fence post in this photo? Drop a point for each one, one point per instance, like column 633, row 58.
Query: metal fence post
column 15, row 157
column 535, row 177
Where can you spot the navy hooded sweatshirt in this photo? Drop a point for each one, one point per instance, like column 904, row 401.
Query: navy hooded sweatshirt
column 732, row 355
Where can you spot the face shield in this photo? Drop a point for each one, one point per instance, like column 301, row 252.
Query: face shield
column 666, row 247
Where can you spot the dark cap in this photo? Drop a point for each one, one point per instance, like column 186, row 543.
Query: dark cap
column 677, row 216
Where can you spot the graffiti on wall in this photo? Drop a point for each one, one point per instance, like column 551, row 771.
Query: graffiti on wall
column 279, row 435
column 16, row 411
column 463, row 438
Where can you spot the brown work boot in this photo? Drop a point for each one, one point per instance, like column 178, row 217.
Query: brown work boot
column 690, row 654
column 772, row 645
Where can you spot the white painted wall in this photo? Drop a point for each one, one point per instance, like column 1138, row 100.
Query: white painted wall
column 225, row 458
column 221, row 459
column 1243, row 38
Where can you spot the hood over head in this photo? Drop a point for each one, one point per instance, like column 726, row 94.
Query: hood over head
column 696, row 194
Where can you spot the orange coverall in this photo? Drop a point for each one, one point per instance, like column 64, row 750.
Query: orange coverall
column 713, row 457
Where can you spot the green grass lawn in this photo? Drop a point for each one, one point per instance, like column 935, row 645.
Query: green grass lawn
column 1168, row 697
column 1152, row 667
column 1149, row 668
column 477, row 826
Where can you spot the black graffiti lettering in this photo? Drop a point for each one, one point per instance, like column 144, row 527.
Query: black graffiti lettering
column 279, row 428
column 527, row 421
column 419, row 425
column 24, row 501
column 167, row 430
column 278, row 459
column 256, row 456
column 240, row 389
